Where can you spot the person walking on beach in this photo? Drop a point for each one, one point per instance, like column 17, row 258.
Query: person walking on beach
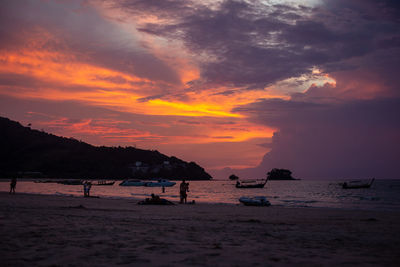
column 86, row 188
column 183, row 189
column 89, row 185
column 13, row 184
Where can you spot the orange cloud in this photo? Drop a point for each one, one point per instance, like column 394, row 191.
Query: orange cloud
column 62, row 76
column 57, row 67
column 193, row 109
column 60, row 71
column 104, row 128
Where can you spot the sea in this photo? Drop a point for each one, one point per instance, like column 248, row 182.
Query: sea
column 383, row 194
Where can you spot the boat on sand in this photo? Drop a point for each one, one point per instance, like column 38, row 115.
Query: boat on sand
column 155, row 200
column 255, row 201
column 358, row 184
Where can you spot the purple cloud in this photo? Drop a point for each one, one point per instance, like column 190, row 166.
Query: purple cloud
column 352, row 139
column 252, row 44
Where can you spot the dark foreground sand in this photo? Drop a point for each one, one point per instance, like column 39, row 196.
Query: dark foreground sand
column 73, row 231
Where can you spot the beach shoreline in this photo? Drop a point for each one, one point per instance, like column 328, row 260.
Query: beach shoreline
column 64, row 230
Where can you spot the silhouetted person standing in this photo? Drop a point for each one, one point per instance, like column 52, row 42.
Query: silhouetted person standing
column 183, row 189
column 13, row 184
column 89, row 185
column 86, row 188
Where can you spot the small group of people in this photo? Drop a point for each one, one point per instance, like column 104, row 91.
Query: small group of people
column 155, row 200
column 86, row 189
column 13, row 185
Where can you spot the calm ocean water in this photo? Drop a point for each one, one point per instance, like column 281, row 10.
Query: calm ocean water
column 383, row 195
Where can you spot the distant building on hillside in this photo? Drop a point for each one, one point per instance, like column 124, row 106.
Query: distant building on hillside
column 139, row 166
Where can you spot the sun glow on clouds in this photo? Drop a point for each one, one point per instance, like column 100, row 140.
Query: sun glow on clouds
column 98, row 129
column 94, row 85
column 182, row 109
column 191, row 116
column 63, row 77
column 62, row 68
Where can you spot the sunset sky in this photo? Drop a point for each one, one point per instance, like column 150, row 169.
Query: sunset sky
column 312, row 86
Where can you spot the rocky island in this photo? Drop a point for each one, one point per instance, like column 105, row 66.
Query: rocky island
column 280, row 174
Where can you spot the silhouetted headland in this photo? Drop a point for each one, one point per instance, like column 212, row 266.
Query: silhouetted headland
column 31, row 153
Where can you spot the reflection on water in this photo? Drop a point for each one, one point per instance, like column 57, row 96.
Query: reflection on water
column 384, row 194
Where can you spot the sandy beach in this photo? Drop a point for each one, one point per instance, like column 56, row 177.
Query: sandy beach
column 75, row 231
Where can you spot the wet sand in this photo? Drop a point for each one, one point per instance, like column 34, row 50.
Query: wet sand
column 75, row 231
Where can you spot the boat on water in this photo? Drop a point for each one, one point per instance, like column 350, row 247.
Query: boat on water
column 160, row 183
column 103, row 182
column 70, row 182
column 255, row 201
column 134, row 182
column 358, row 184
column 251, row 183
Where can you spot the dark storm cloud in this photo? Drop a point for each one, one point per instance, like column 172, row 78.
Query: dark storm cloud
column 350, row 129
column 292, row 114
column 366, row 9
column 161, row 9
column 240, row 43
column 252, row 44
column 354, row 139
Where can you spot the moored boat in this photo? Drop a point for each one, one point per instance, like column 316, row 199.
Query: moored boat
column 70, row 182
column 251, row 183
column 160, row 183
column 134, row 182
column 45, row 181
column 103, row 182
column 255, row 201
column 358, row 184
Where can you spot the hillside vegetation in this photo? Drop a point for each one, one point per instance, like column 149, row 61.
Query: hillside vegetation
column 27, row 152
